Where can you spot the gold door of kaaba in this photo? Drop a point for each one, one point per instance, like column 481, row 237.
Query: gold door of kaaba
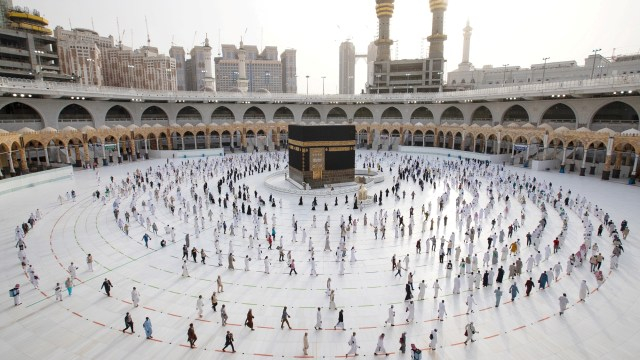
column 317, row 162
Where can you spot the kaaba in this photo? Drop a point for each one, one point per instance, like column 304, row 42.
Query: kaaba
column 322, row 154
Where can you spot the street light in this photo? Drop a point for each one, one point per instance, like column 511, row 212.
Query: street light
column 504, row 73
column 324, row 77
column 544, row 67
column 595, row 52
column 307, row 85
column 407, row 75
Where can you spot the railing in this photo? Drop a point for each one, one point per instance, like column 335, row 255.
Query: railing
column 616, row 83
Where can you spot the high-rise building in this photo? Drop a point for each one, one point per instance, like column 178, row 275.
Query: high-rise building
column 143, row 68
column 199, row 74
column 80, row 52
column 246, row 69
column 28, row 51
column 289, row 80
column 408, row 75
column 347, row 68
column 177, row 53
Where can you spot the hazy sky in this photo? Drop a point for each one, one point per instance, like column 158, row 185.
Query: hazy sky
column 515, row 32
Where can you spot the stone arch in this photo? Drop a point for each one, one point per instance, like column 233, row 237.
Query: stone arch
column 559, row 114
column 421, row 114
column 418, row 138
column 74, row 113
column 222, row 114
column 189, row 114
column 154, row 114
column 117, row 113
column 17, row 115
column 337, row 114
column 616, row 115
column 482, row 115
column 515, row 113
column 254, row 114
column 429, row 138
column 363, row 114
column 283, row 113
column 452, row 115
column 311, row 114
column 391, row 114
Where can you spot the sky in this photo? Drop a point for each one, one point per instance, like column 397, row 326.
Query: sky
column 514, row 32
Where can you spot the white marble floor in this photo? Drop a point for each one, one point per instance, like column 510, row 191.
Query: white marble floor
column 88, row 324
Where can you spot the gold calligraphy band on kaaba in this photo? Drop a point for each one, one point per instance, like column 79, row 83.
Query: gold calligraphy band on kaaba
column 322, row 143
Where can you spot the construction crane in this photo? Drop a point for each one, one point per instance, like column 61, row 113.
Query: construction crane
column 147, row 25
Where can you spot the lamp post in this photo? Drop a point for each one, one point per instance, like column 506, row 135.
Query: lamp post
column 544, row 67
column 323, row 77
column 504, row 73
column 595, row 52
column 407, row 75
column 307, row 85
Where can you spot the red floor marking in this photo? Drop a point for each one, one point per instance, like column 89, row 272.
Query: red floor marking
column 187, row 346
column 459, row 315
column 233, row 324
column 43, row 293
column 126, row 302
column 76, row 314
column 148, row 308
column 367, row 327
column 101, row 324
column 152, row 339
column 485, row 308
column 594, row 290
column 520, row 327
column 304, row 357
column 294, row 329
column 203, row 320
column 174, row 315
column 456, row 344
column 264, row 327
column 491, row 336
column 543, row 319
column 436, row 319
column 268, row 355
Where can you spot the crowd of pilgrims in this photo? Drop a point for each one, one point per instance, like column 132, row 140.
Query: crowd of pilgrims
column 192, row 190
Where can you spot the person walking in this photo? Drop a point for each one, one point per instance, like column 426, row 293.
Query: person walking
column 106, row 285
column 403, row 342
column 380, row 350
column 228, row 341
column 58, row 291
column 305, row 344
column 433, row 339
column 214, row 301
column 292, row 267
column 185, row 269
column 564, row 301
column 191, row 336
column 584, row 290
column 340, row 322
column 470, row 302
column 135, row 297
column 513, row 290
column 353, row 343
column 498, row 293
column 469, row 331
column 200, row 306
column 285, row 318
column 391, row 316
column 249, row 320
column 318, row 325
column 441, row 311
column 15, row 294
column 223, row 315
column 69, row 285
column 219, row 284
column 128, row 322
column 90, row 262
column 147, row 328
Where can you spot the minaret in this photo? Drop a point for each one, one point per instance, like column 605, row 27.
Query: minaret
column 437, row 37
column 243, row 83
column 209, row 81
column 384, row 11
column 465, row 64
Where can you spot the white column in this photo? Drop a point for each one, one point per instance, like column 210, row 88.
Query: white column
column 564, row 155
column 584, row 157
column 635, row 165
column 146, row 146
column 182, row 141
column 12, row 170
column 118, row 148
column 46, row 155
column 158, row 143
column 195, row 141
